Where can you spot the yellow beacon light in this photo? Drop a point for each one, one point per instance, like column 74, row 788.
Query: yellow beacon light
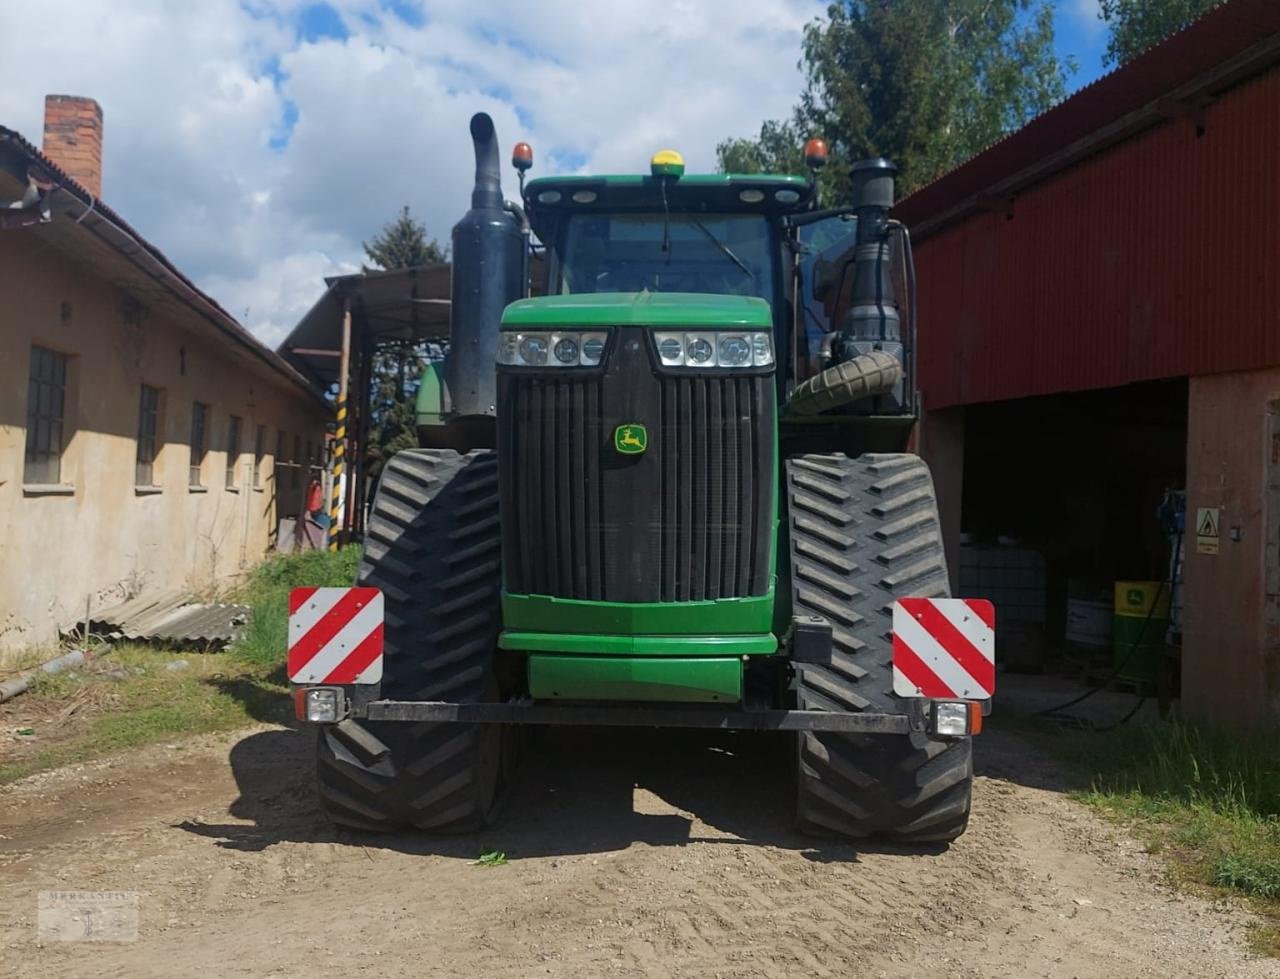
column 667, row 163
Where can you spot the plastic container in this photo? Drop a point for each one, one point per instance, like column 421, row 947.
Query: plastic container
column 1089, row 623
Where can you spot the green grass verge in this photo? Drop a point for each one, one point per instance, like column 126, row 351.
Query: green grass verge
column 267, row 592
column 151, row 703
column 1209, row 801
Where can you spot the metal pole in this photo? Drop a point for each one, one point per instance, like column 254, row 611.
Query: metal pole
column 340, row 432
column 360, row 461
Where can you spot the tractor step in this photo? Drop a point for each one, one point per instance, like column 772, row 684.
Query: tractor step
column 626, row 715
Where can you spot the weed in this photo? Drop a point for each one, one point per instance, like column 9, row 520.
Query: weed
column 491, row 858
column 1249, row 872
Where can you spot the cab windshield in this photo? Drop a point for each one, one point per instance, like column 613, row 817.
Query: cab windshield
column 726, row 254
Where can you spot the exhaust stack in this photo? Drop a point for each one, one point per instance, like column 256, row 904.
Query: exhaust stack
column 489, row 272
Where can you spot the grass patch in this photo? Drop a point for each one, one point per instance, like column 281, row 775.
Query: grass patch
column 267, row 593
column 1207, row 800
column 130, row 697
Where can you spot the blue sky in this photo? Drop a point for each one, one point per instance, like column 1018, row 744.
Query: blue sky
column 1078, row 33
column 259, row 142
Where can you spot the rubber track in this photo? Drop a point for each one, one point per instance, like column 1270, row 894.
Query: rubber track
column 865, row 376
column 433, row 547
column 863, row 533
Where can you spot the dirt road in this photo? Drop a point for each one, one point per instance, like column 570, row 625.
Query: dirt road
column 630, row 853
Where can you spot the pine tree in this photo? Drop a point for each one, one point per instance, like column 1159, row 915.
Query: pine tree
column 403, row 243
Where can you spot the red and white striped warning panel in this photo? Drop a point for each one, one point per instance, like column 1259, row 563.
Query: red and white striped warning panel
column 335, row 635
column 944, row 647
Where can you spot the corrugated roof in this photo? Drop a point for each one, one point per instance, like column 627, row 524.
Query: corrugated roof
column 99, row 217
column 1155, row 259
column 1216, row 52
column 172, row 616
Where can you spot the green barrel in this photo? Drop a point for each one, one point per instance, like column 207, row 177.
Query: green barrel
column 1137, row 641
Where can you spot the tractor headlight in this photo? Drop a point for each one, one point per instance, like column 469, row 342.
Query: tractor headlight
column 533, row 349
column 734, row 351
column 592, row 348
column 567, row 350
column 671, row 351
column 541, row 349
column 707, row 349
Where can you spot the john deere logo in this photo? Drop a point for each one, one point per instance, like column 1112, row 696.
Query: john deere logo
column 630, row 439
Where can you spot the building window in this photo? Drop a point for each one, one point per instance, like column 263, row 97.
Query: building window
column 46, row 398
column 148, row 436
column 199, row 441
column 311, row 460
column 233, row 449
column 296, row 459
column 259, row 450
column 277, row 468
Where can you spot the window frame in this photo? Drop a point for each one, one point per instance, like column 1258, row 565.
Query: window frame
column 259, row 453
column 54, row 421
column 200, row 449
column 149, row 444
column 234, row 427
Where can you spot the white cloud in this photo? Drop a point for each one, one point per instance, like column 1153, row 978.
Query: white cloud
column 193, row 95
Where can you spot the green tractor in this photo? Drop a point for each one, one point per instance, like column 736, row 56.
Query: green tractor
column 667, row 490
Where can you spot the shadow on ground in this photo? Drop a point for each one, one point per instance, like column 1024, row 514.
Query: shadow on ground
column 575, row 792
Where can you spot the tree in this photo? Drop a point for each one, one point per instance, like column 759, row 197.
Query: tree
column 1136, row 25
column 926, row 83
column 403, row 243
column 397, row 370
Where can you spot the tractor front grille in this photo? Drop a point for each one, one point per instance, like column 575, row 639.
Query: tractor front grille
column 689, row 519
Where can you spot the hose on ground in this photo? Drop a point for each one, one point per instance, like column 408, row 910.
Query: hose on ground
column 865, row 376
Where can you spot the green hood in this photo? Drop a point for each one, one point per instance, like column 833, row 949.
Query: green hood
column 682, row 309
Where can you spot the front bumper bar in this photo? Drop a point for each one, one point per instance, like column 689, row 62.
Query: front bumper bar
column 620, row 715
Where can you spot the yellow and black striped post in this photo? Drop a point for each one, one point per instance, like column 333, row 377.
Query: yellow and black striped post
column 340, row 430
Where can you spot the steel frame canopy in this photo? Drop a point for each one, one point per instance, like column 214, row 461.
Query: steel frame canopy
column 403, row 305
column 333, row 344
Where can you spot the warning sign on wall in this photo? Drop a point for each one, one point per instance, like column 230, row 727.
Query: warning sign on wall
column 1207, row 529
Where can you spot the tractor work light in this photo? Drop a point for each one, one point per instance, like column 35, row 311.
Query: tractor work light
column 695, row 349
column 522, row 156
column 955, row 719
column 815, row 153
column 319, row 705
column 667, row 163
column 559, row 350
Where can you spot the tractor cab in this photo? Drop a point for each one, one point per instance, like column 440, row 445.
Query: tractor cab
column 702, row 233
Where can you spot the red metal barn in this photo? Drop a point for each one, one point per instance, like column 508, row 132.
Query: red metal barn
column 1099, row 323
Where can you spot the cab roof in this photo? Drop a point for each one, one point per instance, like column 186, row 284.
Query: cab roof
column 548, row 200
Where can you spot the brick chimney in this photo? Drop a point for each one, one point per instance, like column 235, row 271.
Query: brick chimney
column 73, row 138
